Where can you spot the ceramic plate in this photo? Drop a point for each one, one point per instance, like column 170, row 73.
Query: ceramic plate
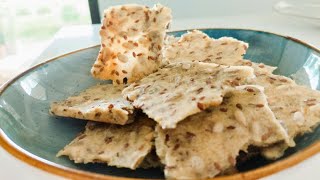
column 31, row 134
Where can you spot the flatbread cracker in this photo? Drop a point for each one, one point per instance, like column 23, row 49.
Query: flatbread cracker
column 298, row 107
column 198, row 46
column 132, row 37
column 120, row 146
column 103, row 103
column 182, row 89
column 208, row 143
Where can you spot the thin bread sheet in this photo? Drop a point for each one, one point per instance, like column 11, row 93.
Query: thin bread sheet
column 182, row 89
column 206, row 144
column 120, row 146
column 103, row 103
column 132, row 38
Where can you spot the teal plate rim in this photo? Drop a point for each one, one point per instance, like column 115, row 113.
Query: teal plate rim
column 40, row 163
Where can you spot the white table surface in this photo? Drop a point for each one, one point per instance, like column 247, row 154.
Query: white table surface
column 76, row 37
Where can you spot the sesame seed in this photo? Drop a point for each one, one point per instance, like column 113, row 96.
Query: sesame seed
column 249, row 90
column 239, row 106
column 223, row 109
column 199, row 90
column 283, row 80
column 200, row 106
column 108, row 140
column 98, row 114
column 259, row 105
column 176, row 147
column 151, row 58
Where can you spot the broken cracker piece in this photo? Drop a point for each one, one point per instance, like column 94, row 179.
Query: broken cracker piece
column 182, row 89
column 120, row 146
column 103, row 103
column 132, row 37
column 298, row 108
column 207, row 143
column 198, row 46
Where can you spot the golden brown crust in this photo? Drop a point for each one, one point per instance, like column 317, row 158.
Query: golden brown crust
column 132, row 37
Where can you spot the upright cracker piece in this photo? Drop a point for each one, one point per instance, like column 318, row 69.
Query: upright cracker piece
column 102, row 103
column 198, row 46
column 298, row 107
column 182, row 89
column 132, row 37
column 120, row 146
column 207, row 143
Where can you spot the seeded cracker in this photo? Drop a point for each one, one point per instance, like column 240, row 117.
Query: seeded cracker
column 102, row 103
column 132, row 37
column 203, row 149
column 182, row 89
column 198, row 46
column 290, row 107
column 120, row 146
column 298, row 107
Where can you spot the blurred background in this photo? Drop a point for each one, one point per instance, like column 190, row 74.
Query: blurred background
column 32, row 31
column 27, row 27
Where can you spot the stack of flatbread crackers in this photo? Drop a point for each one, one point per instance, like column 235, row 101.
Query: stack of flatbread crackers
column 187, row 105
